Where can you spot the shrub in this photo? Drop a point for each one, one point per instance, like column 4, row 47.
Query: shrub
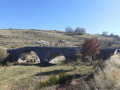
column 3, row 56
column 91, row 47
column 63, row 78
column 53, row 80
column 108, row 78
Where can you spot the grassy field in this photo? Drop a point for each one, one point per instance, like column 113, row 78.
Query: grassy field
column 25, row 77
column 14, row 38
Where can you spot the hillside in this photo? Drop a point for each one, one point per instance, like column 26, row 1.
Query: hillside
column 14, row 38
column 30, row 75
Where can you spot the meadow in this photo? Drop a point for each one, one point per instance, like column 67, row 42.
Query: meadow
column 22, row 77
column 15, row 38
column 29, row 76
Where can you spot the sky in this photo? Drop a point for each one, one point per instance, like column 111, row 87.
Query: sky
column 95, row 16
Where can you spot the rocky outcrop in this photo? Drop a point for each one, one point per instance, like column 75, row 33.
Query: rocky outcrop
column 65, row 42
column 43, row 43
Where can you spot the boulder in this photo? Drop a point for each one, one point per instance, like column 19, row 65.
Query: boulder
column 66, row 43
column 42, row 43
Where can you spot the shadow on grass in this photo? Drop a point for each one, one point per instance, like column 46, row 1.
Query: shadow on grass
column 38, row 64
column 52, row 72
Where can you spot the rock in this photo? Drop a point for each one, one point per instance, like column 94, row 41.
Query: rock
column 43, row 43
column 20, row 60
column 65, row 42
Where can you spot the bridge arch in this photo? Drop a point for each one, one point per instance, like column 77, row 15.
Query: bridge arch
column 44, row 53
column 56, row 57
column 28, row 55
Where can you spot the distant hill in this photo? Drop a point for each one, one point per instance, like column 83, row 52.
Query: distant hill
column 14, row 38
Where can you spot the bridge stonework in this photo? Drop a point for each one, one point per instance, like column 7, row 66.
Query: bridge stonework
column 105, row 53
column 44, row 53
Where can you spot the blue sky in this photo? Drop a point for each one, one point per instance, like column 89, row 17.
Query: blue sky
column 95, row 16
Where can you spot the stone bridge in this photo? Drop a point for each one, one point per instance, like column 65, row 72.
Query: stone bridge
column 48, row 53
column 44, row 53
column 105, row 53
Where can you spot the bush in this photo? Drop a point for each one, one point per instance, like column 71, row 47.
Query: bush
column 91, row 47
column 3, row 56
column 53, row 80
column 64, row 78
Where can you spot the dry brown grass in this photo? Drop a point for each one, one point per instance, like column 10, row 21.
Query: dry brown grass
column 3, row 55
column 14, row 38
column 109, row 77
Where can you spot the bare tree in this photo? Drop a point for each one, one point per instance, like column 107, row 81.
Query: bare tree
column 80, row 31
column 104, row 33
column 69, row 30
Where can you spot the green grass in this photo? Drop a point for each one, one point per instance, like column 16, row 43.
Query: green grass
column 10, row 75
column 24, row 76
